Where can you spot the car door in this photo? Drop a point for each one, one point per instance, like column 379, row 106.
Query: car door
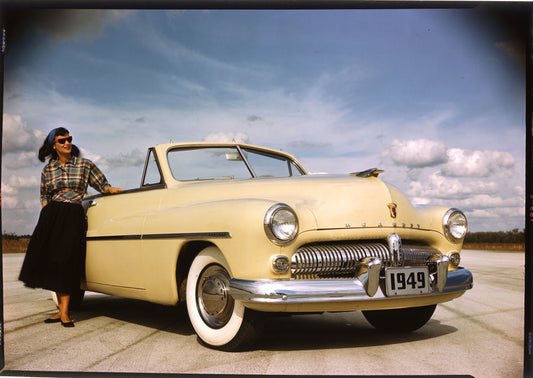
column 115, row 261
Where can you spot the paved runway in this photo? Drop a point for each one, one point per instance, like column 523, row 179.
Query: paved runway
column 479, row 334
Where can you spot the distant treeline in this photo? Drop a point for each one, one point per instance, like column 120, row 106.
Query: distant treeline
column 513, row 236
column 12, row 236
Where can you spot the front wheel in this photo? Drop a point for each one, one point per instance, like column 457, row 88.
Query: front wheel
column 400, row 320
column 219, row 321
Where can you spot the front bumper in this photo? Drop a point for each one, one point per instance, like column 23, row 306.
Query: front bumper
column 334, row 290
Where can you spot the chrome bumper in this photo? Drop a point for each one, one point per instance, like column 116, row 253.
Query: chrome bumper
column 335, row 290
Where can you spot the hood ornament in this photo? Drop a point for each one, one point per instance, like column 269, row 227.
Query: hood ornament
column 372, row 172
column 392, row 208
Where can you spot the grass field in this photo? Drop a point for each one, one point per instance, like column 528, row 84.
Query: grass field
column 20, row 245
column 496, row 246
column 15, row 245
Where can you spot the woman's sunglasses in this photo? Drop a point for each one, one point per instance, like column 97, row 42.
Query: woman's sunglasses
column 63, row 140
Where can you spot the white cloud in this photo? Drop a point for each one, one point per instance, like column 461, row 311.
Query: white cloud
column 84, row 153
column 519, row 191
column 417, row 153
column 17, row 136
column 21, row 160
column 7, row 189
column 8, row 201
column 498, row 213
column 482, row 202
column 23, row 182
column 465, row 163
column 439, row 186
column 12, row 188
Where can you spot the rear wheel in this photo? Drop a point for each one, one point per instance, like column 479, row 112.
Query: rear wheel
column 400, row 320
column 219, row 321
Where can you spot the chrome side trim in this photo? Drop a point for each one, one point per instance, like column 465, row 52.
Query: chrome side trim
column 316, row 291
column 188, row 235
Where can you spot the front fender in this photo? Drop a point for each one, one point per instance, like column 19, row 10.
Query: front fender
column 246, row 248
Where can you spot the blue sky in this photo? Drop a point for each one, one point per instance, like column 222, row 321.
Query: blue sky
column 436, row 98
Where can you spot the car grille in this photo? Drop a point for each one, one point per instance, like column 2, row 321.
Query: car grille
column 338, row 260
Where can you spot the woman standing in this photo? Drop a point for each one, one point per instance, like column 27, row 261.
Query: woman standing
column 55, row 258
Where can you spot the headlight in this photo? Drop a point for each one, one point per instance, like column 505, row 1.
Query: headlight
column 281, row 224
column 455, row 225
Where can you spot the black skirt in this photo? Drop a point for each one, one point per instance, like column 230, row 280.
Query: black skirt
column 55, row 258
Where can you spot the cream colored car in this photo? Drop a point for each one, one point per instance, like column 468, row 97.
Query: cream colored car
column 235, row 231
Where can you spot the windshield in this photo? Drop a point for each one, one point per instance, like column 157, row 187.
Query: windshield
column 218, row 163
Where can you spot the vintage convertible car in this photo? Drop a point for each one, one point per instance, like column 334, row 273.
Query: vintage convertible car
column 235, row 230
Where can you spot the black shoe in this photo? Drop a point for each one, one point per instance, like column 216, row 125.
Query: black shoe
column 51, row 320
column 67, row 324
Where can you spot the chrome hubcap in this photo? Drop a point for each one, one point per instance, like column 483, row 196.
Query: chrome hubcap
column 214, row 302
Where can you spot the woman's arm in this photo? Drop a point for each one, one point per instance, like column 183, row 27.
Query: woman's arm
column 98, row 180
column 112, row 190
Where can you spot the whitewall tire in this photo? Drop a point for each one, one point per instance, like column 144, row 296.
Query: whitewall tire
column 219, row 321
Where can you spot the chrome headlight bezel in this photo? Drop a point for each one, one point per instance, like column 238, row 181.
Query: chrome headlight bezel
column 455, row 258
column 281, row 224
column 455, row 225
column 281, row 264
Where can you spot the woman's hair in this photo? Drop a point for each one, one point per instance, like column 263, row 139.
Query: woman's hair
column 47, row 149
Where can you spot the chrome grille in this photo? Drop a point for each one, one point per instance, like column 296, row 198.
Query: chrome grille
column 333, row 260
column 417, row 254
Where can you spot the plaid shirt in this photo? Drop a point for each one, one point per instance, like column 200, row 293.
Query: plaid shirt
column 69, row 183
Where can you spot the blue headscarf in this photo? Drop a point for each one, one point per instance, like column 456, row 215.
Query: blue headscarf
column 52, row 135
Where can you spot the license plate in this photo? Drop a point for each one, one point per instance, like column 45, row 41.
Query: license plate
column 407, row 281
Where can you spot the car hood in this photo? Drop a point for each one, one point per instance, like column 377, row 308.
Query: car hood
column 336, row 201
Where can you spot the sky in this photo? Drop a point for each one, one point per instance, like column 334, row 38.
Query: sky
column 434, row 97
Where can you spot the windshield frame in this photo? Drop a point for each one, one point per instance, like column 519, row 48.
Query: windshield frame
column 242, row 150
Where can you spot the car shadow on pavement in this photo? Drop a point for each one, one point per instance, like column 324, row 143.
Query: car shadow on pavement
column 165, row 318
column 341, row 330
column 282, row 332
